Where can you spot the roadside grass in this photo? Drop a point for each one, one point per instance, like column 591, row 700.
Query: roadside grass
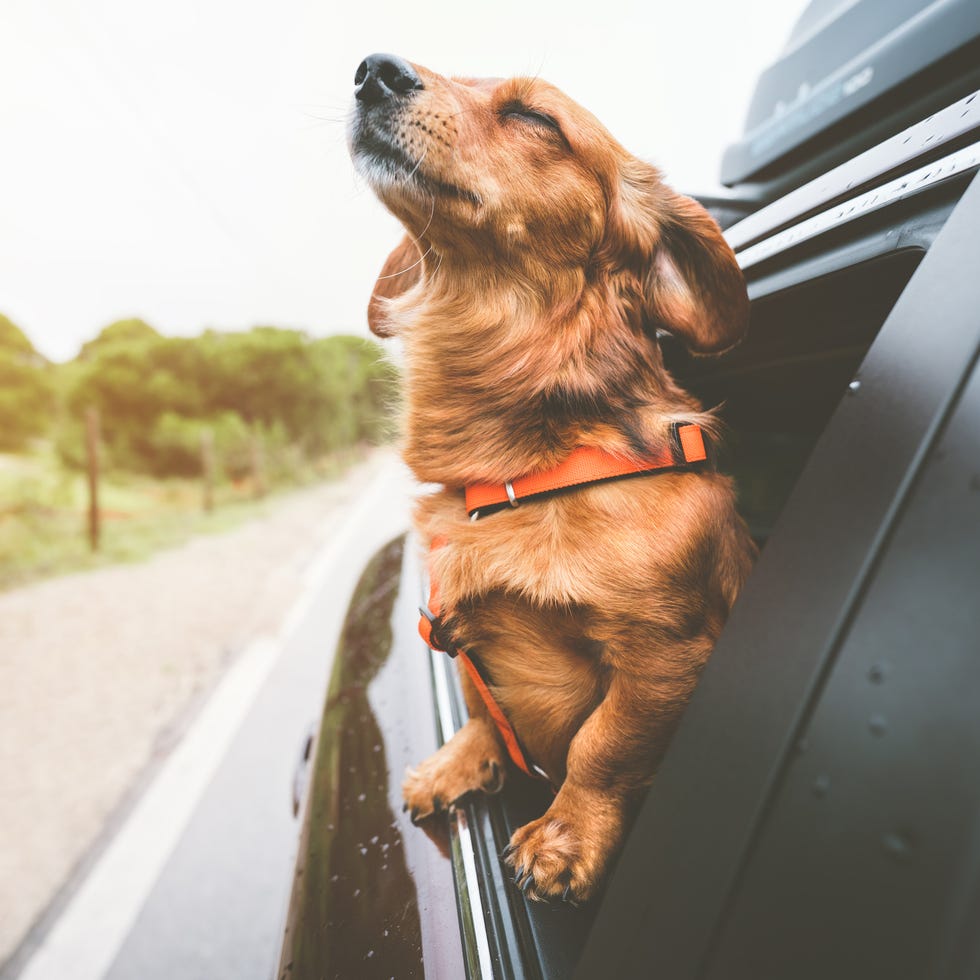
column 44, row 507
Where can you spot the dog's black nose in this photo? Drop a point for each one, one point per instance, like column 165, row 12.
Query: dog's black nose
column 381, row 76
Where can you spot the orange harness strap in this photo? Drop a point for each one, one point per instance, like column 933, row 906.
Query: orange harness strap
column 427, row 630
column 585, row 465
column 589, row 464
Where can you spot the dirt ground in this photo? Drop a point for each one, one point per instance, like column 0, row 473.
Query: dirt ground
column 100, row 671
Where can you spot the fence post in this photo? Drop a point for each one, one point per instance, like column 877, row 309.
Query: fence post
column 92, row 465
column 258, row 465
column 207, row 468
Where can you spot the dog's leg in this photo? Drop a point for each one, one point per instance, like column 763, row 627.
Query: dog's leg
column 474, row 759
column 566, row 853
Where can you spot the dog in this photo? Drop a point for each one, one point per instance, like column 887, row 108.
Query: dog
column 540, row 261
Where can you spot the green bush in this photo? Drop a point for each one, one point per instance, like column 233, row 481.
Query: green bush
column 300, row 398
column 176, row 445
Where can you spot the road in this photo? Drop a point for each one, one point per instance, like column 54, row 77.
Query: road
column 194, row 885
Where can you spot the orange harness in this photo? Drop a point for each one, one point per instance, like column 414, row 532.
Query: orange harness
column 585, row 465
column 428, row 628
column 588, row 464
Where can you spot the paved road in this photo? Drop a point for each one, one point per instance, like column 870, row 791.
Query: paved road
column 195, row 884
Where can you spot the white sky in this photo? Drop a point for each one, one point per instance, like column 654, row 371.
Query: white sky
column 185, row 161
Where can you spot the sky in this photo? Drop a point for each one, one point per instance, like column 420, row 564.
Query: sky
column 186, row 162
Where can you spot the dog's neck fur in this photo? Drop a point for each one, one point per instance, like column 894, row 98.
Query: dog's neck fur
column 495, row 392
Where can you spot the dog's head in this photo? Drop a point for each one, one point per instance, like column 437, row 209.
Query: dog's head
column 512, row 174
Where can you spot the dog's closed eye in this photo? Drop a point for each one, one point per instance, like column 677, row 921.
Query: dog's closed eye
column 535, row 117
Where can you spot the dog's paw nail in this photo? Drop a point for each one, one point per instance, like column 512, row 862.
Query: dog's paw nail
column 518, row 874
column 437, row 804
column 415, row 815
column 404, row 808
column 528, row 883
column 507, row 851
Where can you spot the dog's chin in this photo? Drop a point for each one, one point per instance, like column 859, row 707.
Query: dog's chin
column 391, row 175
column 399, row 180
column 403, row 193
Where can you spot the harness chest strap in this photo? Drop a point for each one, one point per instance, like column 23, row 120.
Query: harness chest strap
column 590, row 464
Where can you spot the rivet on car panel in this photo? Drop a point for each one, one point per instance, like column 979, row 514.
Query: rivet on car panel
column 897, row 846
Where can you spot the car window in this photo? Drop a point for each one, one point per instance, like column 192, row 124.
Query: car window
column 778, row 390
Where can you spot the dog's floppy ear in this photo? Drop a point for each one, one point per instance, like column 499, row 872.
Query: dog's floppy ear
column 692, row 285
column 401, row 271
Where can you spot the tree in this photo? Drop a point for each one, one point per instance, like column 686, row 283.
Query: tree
column 362, row 387
column 14, row 340
column 119, row 332
column 155, row 393
column 26, row 404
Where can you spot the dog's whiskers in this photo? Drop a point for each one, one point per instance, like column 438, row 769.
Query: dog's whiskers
column 428, row 224
column 415, row 169
column 338, row 120
column 424, row 254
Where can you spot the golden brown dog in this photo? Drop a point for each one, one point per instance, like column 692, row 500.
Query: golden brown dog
column 540, row 262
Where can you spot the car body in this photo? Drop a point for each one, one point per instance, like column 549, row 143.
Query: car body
column 817, row 813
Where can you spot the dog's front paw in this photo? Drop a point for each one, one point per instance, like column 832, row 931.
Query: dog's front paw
column 471, row 761
column 562, row 856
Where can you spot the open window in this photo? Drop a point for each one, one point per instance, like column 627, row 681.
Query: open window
column 778, row 390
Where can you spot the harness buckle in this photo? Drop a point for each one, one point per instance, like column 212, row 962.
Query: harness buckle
column 434, row 637
column 677, row 446
column 540, row 773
